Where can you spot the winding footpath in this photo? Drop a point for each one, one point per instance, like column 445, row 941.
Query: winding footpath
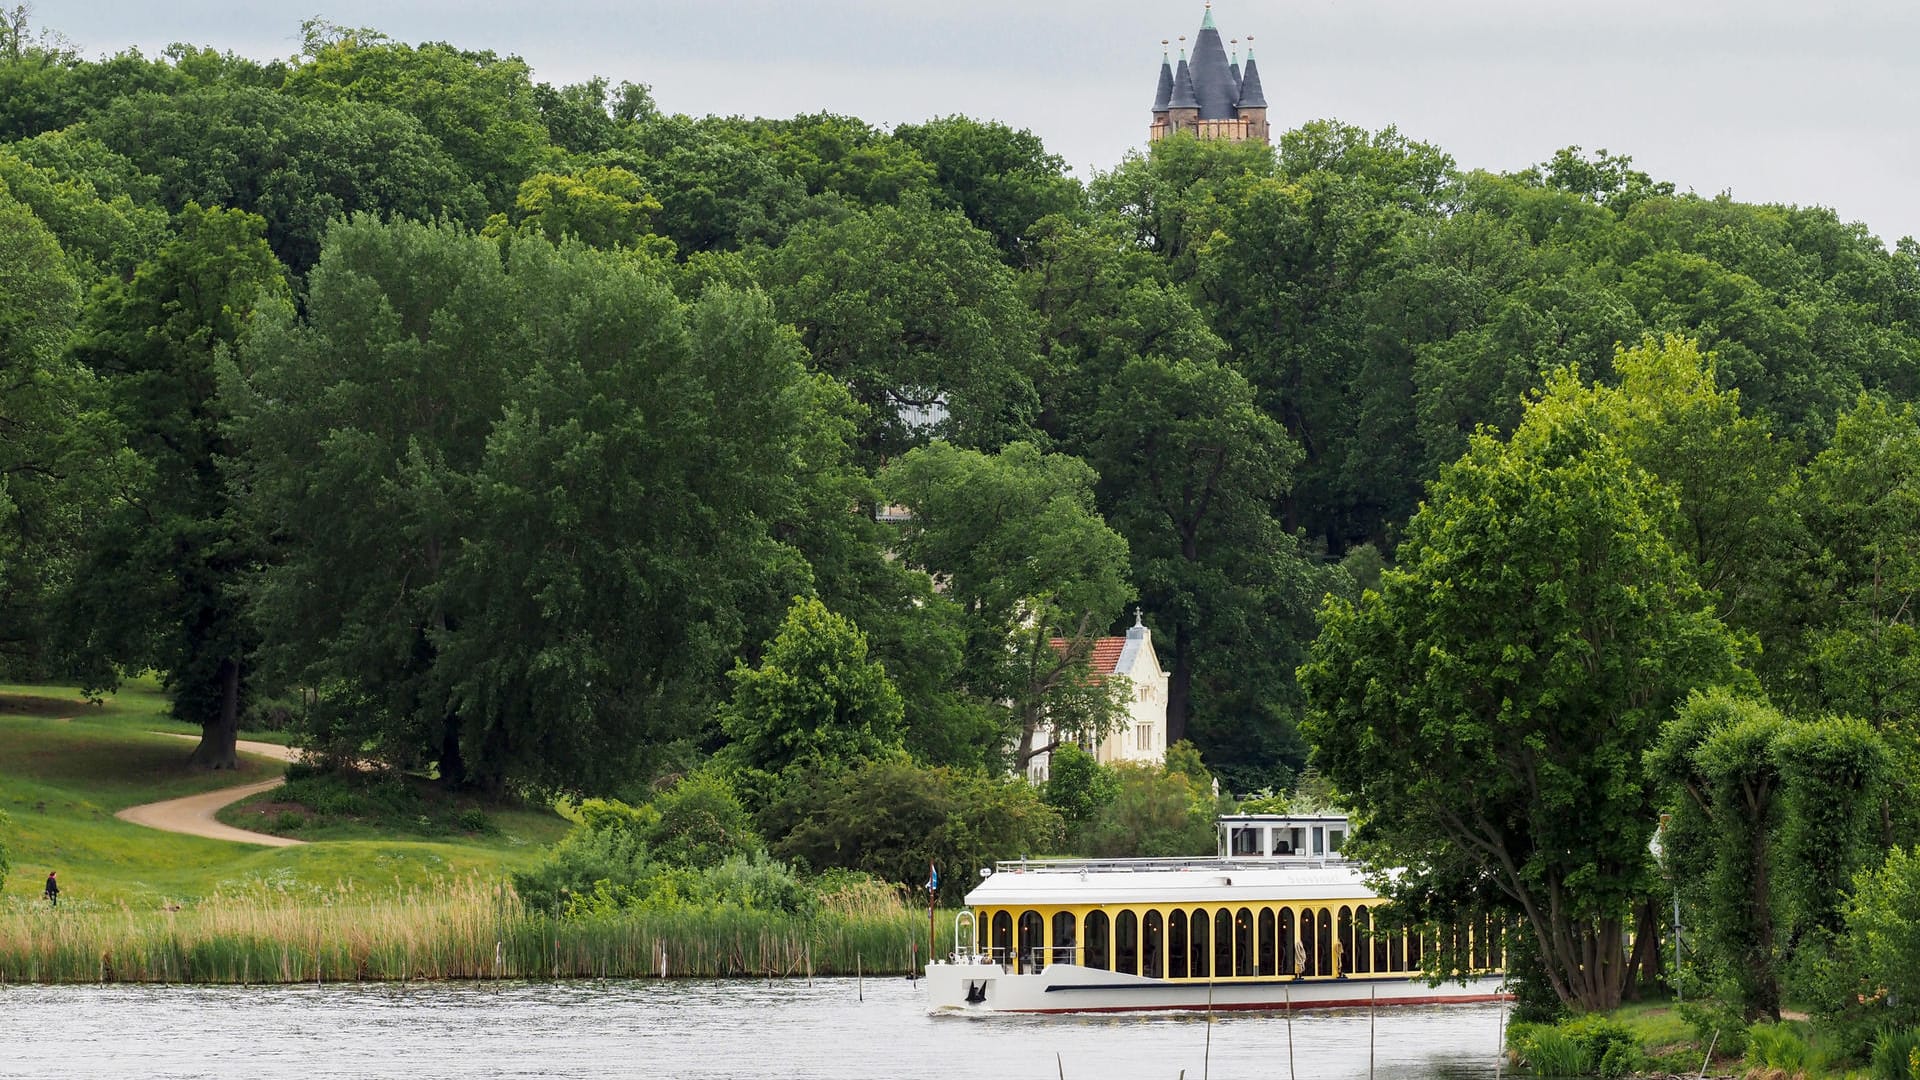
column 194, row 814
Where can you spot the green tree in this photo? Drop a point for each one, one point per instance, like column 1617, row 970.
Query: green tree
column 1153, row 812
column 1003, row 180
column 955, row 820
column 1487, row 710
column 910, row 308
column 1018, row 545
column 165, row 581
column 1078, row 786
column 523, row 499
column 815, row 701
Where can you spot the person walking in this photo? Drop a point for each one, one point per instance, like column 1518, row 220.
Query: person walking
column 53, row 890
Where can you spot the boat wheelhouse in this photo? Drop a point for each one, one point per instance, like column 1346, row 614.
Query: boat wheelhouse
column 1279, row 918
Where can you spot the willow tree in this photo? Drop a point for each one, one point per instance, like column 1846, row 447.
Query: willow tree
column 1487, row 709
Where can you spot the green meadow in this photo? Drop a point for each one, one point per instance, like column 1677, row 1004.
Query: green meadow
column 67, row 765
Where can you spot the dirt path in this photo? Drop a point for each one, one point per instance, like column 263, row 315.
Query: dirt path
column 193, row 815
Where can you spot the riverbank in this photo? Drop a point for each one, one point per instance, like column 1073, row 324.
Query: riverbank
column 465, row 928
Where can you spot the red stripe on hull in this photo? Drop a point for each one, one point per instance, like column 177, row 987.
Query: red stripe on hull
column 1281, row 1006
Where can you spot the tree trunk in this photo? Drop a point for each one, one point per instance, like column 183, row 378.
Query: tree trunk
column 1180, row 684
column 218, row 735
column 453, row 767
column 1644, row 968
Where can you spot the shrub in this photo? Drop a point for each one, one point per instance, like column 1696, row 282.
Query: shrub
column 475, row 820
column 1896, row 1055
column 1078, row 785
column 1153, row 812
column 698, row 822
column 1778, row 1047
column 1586, row 1046
column 1544, row 1050
column 1883, row 939
column 583, row 859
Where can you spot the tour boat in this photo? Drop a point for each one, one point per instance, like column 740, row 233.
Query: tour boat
column 1277, row 919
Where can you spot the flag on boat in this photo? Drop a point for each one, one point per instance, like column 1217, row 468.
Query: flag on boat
column 933, row 877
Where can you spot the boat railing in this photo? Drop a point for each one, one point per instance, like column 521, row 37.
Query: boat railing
column 1190, row 862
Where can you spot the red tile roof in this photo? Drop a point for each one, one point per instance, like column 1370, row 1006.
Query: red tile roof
column 1105, row 655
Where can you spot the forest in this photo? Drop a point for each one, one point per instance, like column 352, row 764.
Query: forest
column 549, row 443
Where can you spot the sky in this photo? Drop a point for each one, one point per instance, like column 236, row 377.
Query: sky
column 1786, row 101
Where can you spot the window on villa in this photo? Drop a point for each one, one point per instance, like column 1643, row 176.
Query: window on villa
column 1143, row 736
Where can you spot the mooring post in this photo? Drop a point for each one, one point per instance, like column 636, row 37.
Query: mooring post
column 1288, row 990
column 1373, row 997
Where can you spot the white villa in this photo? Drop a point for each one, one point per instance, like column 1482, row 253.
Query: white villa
column 1142, row 735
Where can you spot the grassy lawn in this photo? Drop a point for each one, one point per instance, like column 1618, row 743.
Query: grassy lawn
column 66, row 766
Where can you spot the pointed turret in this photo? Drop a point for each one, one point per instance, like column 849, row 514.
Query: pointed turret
column 1212, row 80
column 1234, row 67
column 1163, row 95
column 1183, row 93
column 1251, row 94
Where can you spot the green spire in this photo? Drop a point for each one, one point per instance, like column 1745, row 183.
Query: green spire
column 1207, row 23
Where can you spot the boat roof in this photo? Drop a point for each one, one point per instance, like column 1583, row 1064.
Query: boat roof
column 1159, row 881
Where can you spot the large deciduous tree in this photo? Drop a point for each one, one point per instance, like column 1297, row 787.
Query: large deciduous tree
column 1015, row 540
column 523, row 498
column 165, row 581
column 1486, row 711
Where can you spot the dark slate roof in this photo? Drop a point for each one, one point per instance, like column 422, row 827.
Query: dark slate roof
column 1212, row 81
column 1183, row 87
column 1251, row 95
column 1165, row 92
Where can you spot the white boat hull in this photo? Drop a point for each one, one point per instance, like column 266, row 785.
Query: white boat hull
column 1069, row 988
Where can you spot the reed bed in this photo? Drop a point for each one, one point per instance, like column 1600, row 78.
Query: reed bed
column 466, row 929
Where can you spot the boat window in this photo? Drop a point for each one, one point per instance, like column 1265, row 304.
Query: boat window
column 1397, row 952
column 1001, row 940
column 1319, row 840
column 1323, row 946
column 1223, row 944
column 1246, row 840
column 1289, row 948
column 1281, row 844
column 1267, row 945
column 1365, row 948
column 1126, row 943
column 1343, row 951
column 1198, row 952
column 1336, row 839
column 1305, row 965
column 1153, row 941
column 1064, row 938
column 1178, row 956
column 1033, row 930
column 1099, row 954
column 1243, row 943
column 1298, row 841
column 1416, row 952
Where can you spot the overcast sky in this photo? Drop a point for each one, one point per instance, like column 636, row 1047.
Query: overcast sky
column 1790, row 101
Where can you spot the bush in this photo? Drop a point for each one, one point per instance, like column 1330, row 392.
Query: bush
column 892, row 818
column 1883, row 940
column 1779, row 1048
column 475, row 820
column 698, row 822
column 1078, row 785
column 1587, row 1046
column 1896, row 1055
column 1153, row 813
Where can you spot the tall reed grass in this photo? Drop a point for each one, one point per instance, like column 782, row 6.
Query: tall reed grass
column 464, row 929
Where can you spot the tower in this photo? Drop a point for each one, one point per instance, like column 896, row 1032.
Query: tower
column 1211, row 96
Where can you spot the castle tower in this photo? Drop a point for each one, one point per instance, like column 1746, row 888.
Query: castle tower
column 1211, row 96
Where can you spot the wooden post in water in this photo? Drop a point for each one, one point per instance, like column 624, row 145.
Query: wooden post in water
column 1206, row 1056
column 1288, row 989
column 859, row 979
column 1373, row 995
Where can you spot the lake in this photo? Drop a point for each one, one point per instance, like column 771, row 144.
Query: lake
column 690, row 1030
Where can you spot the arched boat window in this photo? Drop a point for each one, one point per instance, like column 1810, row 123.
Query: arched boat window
column 1243, row 943
column 1199, row 954
column 1305, row 964
column 1033, row 930
column 1099, row 952
column 1178, row 947
column 1289, row 948
column 1064, row 938
column 1126, row 943
column 1001, row 946
column 1343, row 951
column 1267, row 955
column 1323, row 953
column 1153, row 946
column 1365, row 948
column 1397, row 951
column 1223, row 944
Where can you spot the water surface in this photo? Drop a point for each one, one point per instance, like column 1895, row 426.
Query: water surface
column 692, row 1030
